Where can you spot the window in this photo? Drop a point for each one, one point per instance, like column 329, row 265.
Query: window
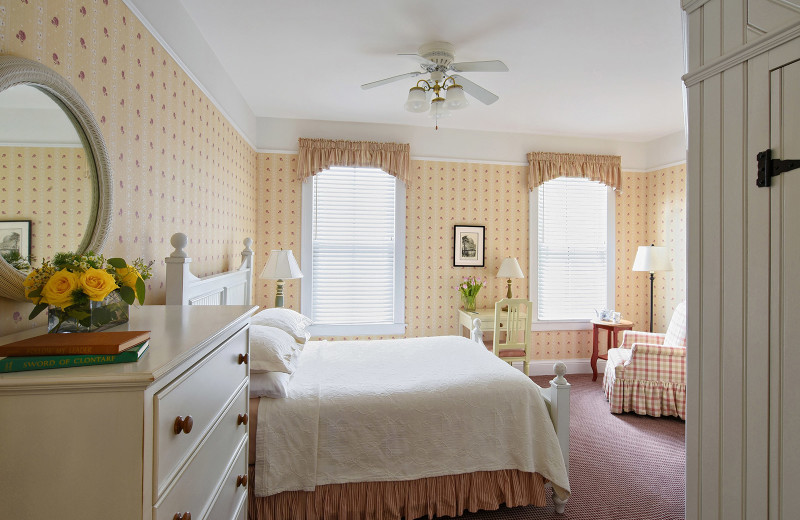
column 572, row 228
column 353, row 253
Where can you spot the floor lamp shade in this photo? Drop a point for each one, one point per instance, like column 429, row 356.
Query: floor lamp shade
column 510, row 269
column 652, row 259
column 281, row 266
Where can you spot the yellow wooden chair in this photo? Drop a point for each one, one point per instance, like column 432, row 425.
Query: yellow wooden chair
column 515, row 323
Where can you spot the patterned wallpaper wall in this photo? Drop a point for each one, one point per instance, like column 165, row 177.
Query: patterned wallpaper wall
column 178, row 164
column 51, row 187
column 651, row 210
column 443, row 194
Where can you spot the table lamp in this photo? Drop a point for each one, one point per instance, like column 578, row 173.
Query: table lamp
column 510, row 269
column 652, row 258
column 281, row 265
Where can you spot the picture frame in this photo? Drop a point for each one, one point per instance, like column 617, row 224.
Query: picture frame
column 15, row 235
column 469, row 246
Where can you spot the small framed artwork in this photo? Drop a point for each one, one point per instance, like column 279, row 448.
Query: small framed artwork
column 15, row 237
column 468, row 246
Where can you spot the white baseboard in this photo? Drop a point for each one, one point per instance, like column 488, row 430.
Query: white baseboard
column 574, row 366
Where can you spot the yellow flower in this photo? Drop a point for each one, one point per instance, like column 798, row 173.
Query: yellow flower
column 29, row 283
column 128, row 276
column 58, row 289
column 97, row 284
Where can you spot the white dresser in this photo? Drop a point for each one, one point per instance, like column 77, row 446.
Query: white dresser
column 164, row 438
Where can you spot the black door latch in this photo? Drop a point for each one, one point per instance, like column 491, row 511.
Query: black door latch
column 769, row 167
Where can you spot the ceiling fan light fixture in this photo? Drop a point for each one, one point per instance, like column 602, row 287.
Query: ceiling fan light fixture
column 438, row 108
column 417, row 101
column 456, row 99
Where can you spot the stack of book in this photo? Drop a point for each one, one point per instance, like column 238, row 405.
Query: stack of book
column 73, row 350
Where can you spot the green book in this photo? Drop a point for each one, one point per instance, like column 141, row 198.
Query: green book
column 22, row 364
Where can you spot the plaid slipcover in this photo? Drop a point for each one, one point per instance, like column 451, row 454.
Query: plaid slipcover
column 647, row 377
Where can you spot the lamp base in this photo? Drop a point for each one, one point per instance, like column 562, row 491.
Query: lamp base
column 279, row 294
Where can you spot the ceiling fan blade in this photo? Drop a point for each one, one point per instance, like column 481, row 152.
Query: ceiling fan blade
column 425, row 62
column 476, row 91
column 385, row 81
column 479, row 66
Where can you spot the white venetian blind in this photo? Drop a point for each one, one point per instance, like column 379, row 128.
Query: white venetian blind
column 572, row 248
column 353, row 246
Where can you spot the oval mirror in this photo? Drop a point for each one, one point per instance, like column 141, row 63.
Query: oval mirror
column 55, row 176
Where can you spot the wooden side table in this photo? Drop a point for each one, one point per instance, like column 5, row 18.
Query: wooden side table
column 612, row 330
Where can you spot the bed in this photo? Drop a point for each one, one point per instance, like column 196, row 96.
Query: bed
column 394, row 428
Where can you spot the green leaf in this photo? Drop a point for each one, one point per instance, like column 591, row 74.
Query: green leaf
column 127, row 294
column 36, row 310
column 140, row 289
column 119, row 263
column 35, row 293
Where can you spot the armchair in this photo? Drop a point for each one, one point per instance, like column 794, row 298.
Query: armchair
column 647, row 373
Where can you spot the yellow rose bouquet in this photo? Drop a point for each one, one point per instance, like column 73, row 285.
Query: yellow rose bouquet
column 86, row 292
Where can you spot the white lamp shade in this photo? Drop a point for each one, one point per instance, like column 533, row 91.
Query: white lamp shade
column 417, row 100
column 510, row 269
column 456, row 99
column 281, row 265
column 652, row 259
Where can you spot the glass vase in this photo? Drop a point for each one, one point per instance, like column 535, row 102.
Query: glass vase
column 90, row 316
column 469, row 302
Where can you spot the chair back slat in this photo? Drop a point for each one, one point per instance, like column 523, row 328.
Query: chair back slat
column 512, row 330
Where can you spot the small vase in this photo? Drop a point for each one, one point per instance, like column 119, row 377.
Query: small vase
column 90, row 316
column 469, row 302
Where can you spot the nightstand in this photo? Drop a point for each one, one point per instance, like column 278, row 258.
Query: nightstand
column 612, row 331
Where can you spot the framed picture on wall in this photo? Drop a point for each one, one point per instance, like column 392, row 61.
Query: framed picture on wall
column 15, row 238
column 468, row 246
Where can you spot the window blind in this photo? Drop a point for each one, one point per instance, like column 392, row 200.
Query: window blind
column 353, row 246
column 572, row 248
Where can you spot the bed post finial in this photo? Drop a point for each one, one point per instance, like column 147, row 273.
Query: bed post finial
column 477, row 334
column 179, row 241
column 247, row 254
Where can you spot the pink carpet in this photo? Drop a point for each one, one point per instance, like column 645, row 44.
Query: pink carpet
column 622, row 467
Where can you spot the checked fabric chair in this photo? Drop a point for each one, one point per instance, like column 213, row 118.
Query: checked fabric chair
column 647, row 373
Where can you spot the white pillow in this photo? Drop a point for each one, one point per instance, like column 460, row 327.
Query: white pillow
column 271, row 350
column 287, row 320
column 269, row 384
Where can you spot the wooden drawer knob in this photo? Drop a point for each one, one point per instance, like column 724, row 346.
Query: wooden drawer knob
column 244, row 358
column 183, row 424
column 242, row 419
column 241, row 480
column 182, row 516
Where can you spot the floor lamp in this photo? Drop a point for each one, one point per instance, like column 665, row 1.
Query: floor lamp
column 652, row 259
column 281, row 266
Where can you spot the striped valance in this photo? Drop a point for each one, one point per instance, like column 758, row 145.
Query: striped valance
column 546, row 166
column 317, row 155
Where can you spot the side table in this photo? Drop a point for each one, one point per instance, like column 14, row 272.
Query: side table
column 612, row 330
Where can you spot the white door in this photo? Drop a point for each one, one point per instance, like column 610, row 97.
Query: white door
column 784, row 312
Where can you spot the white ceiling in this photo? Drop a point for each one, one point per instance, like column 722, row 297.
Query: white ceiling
column 607, row 69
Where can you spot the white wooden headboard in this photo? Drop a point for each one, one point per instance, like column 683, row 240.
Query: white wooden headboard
column 231, row 288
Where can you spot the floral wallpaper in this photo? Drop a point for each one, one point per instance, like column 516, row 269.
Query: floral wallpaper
column 178, row 164
column 442, row 194
column 50, row 186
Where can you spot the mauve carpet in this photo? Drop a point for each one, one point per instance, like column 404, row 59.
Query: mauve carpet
column 622, row 467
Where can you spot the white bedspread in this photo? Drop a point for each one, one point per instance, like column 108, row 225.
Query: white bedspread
column 361, row 411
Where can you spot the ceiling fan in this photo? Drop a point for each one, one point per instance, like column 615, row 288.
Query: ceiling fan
column 436, row 59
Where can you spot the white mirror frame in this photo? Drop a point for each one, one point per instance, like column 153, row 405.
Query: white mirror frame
column 20, row 71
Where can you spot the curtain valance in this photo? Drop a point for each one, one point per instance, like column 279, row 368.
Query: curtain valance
column 317, row 155
column 545, row 166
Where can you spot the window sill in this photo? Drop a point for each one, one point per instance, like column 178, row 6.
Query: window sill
column 364, row 329
column 562, row 325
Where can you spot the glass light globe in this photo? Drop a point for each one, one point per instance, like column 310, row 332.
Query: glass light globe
column 456, row 99
column 416, row 100
column 438, row 108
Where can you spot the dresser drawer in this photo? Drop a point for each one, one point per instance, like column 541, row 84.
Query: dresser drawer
column 200, row 393
column 201, row 476
column 233, row 490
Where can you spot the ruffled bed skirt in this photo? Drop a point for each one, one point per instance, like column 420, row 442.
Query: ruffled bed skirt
column 449, row 495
